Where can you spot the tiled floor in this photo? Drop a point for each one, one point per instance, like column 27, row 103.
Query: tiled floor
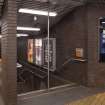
column 1, row 101
column 70, row 96
column 98, row 99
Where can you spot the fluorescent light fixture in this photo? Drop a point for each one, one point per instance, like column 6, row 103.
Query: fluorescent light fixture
column 103, row 41
column 24, row 35
column 0, row 36
column 28, row 29
column 104, row 32
column 37, row 12
column 35, row 18
column 103, row 36
column 103, row 22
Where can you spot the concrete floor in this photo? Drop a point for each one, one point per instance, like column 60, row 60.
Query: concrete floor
column 61, row 97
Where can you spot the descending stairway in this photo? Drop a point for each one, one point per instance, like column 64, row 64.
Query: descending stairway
column 36, row 78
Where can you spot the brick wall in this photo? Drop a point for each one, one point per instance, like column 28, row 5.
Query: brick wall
column 8, row 42
column 71, row 33
column 81, row 29
column 96, row 70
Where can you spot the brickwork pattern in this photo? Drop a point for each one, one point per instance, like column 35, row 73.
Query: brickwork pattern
column 9, row 51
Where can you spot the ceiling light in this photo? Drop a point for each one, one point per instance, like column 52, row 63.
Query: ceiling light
column 28, row 29
column 0, row 36
column 35, row 18
column 24, row 35
column 38, row 12
column 103, row 22
column 103, row 36
column 104, row 32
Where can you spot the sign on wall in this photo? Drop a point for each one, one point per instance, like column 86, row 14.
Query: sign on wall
column 79, row 52
column 52, row 53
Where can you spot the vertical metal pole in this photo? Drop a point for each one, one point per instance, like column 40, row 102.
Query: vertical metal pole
column 48, row 48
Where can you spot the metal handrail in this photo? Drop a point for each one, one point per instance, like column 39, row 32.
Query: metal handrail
column 72, row 59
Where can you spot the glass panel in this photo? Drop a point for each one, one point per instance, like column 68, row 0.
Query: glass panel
column 44, row 44
column 59, row 44
column 31, row 32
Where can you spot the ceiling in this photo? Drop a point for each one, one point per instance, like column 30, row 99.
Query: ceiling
column 59, row 6
column 62, row 7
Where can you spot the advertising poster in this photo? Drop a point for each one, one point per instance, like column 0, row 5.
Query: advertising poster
column 30, row 50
